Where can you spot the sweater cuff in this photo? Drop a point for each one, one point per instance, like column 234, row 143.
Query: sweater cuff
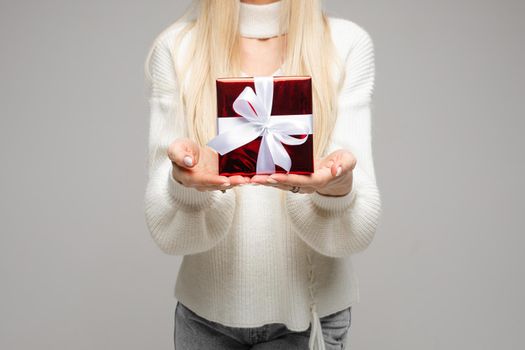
column 188, row 196
column 334, row 204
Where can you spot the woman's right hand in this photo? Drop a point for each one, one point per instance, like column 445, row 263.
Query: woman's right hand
column 197, row 167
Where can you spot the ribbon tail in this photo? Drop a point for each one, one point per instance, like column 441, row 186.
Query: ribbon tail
column 279, row 154
column 265, row 163
column 316, row 341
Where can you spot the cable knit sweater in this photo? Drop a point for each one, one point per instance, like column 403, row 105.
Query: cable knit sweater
column 250, row 257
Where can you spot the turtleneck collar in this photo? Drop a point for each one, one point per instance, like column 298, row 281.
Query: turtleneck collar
column 260, row 21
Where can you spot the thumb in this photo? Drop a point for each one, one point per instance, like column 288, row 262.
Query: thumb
column 344, row 162
column 334, row 162
column 184, row 152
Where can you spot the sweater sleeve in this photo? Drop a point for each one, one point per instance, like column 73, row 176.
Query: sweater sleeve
column 341, row 226
column 181, row 220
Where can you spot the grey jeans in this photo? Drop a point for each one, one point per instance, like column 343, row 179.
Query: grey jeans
column 193, row 332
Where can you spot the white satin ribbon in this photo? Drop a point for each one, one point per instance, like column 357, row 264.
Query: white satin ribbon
column 255, row 107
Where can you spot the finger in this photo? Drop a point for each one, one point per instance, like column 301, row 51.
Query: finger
column 259, row 179
column 195, row 179
column 330, row 159
column 336, row 169
column 184, row 152
column 325, row 163
column 222, row 187
column 263, row 180
column 345, row 163
column 211, row 179
column 237, row 180
column 314, row 180
column 291, row 179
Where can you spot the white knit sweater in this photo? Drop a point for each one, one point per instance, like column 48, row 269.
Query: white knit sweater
column 250, row 257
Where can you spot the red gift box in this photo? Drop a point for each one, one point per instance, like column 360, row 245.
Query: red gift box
column 264, row 125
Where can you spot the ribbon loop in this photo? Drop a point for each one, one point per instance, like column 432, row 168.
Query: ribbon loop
column 255, row 107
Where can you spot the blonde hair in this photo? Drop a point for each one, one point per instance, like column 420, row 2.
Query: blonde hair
column 214, row 52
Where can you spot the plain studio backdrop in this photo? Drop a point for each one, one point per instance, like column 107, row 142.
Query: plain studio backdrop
column 79, row 269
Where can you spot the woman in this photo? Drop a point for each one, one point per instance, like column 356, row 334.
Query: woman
column 267, row 266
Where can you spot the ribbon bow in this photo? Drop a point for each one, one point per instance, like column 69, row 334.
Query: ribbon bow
column 255, row 107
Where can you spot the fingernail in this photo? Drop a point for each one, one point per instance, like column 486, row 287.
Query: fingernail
column 188, row 161
column 339, row 171
column 271, row 180
column 226, row 184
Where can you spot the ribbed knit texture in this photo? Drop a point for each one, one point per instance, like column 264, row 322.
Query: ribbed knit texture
column 260, row 21
column 252, row 255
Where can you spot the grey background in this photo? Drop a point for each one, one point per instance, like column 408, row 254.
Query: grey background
column 78, row 268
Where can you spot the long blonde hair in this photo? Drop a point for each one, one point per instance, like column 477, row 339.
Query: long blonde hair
column 214, row 52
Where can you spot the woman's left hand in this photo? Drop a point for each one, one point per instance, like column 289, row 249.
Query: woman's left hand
column 333, row 176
